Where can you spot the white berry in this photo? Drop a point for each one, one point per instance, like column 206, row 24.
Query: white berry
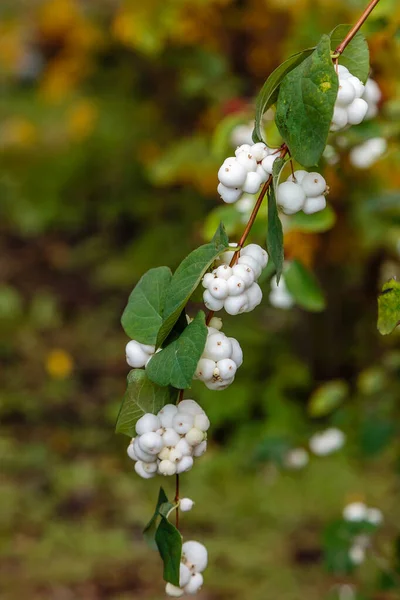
column 191, row 407
column 252, row 183
column 217, row 346
column 232, row 174
column 173, row 591
column 170, row 437
column 166, row 414
column 148, row 422
column 151, row 442
column 235, row 305
column 229, row 195
column 313, row 184
column 139, row 468
column 205, row 369
column 202, row 422
column 195, row 583
column 211, row 302
column 185, row 464
column 290, row 197
column 313, row 205
column 200, row 449
column 195, row 554
column 357, row 111
column 194, row 436
column 219, row 288
column 167, row 467
column 182, row 422
column 186, row 504
column 136, row 357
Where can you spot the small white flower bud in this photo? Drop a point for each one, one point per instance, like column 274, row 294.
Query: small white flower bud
column 186, row 504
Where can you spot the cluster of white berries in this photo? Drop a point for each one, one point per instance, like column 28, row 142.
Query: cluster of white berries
column 221, row 358
column 193, row 562
column 279, row 295
column 365, row 155
column 358, row 512
column 137, row 354
column 168, row 442
column 326, row 442
column 302, row 191
column 372, row 96
column 246, row 171
column 235, row 288
column 350, row 107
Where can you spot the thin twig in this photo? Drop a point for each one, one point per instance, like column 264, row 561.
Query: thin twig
column 356, row 27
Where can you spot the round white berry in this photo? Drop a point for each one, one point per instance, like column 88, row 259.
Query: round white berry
column 140, row 470
column 207, row 280
column 259, row 151
column 346, row 92
column 195, row 554
column 151, row 442
column 164, row 454
column 205, row 369
column 184, row 448
column 268, row 163
column 148, row 348
column 339, row 118
column 229, row 195
column 141, row 454
column 372, row 92
column 235, row 305
column 186, row 504
column 200, row 449
column 237, row 353
column 191, row 407
column 217, row 346
column 357, row 84
column 195, row 583
column 223, row 272
column 136, row 357
column 254, row 294
column 148, row 422
column 173, row 591
column 235, row 285
column 297, row 176
column 313, row 205
column 357, row 111
column 219, row 384
column 247, row 161
column 355, row 511
column 252, row 183
column 256, row 252
column 184, row 575
column 245, row 273
column 175, row 455
column 202, row 422
column 251, row 262
column 290, row 197
column 232, row 174
column 182, row 423
column 194, row 436
column 166, row 414
column 166, row 467
column 264, row 176
column 185, row 464
column 170, row 437
column 242, row 148
column 227, row 369
column 313, row 184
column 374, row 516
column 219, row 288
column 211, row 302
column 342, row 71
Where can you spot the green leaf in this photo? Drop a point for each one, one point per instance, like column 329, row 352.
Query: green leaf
column 327, row 397
column 269, row 91
column 141, row 396
column 318, row 222
column 149, row 531
column 389, row 307
column 169, row 544
column 186, row 279
column 305, row 105
column 275, row 234
column 356, row 55
column 176, row 363
column 142, row 318
column 304, row 288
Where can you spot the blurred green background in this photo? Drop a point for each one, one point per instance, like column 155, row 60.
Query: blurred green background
column 115, row 117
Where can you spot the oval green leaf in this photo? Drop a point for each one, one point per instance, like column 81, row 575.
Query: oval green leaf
column 389, row 307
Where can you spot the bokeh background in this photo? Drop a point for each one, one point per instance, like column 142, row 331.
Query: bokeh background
column 114, row 119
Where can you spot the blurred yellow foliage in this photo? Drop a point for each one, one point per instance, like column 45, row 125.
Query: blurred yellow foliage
column 81, row 119
column 302, row 246
column 18, row 132
column 59, row 364
column 11, row 48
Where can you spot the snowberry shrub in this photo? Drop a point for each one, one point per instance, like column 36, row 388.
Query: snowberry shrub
column 314, row 95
